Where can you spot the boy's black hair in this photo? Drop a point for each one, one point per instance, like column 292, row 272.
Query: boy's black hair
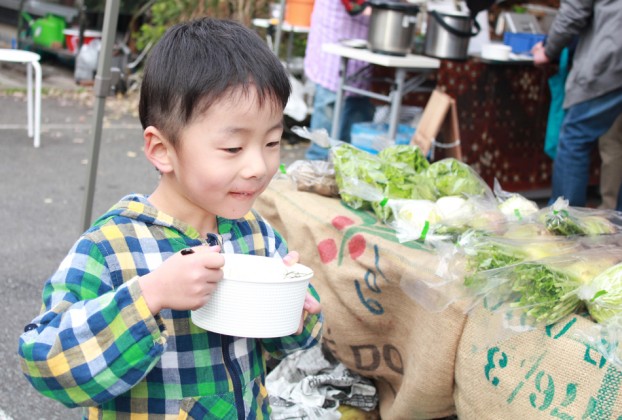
column 199, row 62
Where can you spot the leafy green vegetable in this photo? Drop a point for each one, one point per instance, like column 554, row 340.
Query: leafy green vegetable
column 596, row 225
column 488, row 257
column 353, row 165
column 398, row 172
column 517, row 207
column 566, row 223
column 561, row 223
column 393, row 174
column 605, row 302
column 548, row 289
column 453, row 177
column 545, row 294
column 487, row 252
column 411, row 156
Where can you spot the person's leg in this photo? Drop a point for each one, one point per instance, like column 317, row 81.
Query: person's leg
column 322, row 117
column 355, row 109
column 610, row 149
column 583, row 124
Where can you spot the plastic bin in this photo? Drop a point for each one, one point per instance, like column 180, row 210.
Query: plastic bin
column 520, row 42
column 298, row 12
column 373, row 137
column 72, row 38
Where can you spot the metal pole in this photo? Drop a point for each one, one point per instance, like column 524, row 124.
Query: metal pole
column 343, row 68
column 396, row 102
column 279, row 29
column 102, row 89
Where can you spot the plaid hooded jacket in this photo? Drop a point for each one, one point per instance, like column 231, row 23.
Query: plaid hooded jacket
column 96, row 344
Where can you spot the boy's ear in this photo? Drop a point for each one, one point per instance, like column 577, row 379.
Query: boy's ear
column 157, row 149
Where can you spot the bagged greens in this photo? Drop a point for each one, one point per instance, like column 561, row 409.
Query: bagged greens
column 401, row 172
column 443, row 220
column 354, row 167
column 366, row 181
column 546, row 290
column 410, row 156
column 487, row 252
column 562, row 219
column 603, row 295
column 514, row 206
column 452, row 177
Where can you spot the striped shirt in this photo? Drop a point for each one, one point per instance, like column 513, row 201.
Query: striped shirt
column 331, row 23
column 97, row 345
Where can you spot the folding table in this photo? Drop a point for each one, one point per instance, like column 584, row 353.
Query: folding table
column 420, row 66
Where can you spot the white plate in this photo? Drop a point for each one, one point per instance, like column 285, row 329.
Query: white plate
column 354, row 43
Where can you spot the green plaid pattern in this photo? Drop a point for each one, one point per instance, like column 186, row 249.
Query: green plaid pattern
column 96, row 344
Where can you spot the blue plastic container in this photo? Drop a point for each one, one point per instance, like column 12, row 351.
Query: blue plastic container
column 522, row 43
column 373, row 137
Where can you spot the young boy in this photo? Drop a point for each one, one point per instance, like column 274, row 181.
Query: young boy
column 115, row 333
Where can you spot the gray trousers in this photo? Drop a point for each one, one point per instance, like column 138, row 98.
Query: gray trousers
column 610, row 148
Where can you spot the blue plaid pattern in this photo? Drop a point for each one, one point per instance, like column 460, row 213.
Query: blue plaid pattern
column 96, row 344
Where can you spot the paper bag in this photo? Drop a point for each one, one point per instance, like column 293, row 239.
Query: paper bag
column 438, row 128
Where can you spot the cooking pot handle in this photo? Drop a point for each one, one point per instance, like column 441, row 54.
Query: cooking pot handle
column 453, row 30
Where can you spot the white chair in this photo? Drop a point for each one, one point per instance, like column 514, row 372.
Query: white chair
column 32, row 61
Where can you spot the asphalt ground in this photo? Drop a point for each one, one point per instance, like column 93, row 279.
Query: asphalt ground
column 42, row 192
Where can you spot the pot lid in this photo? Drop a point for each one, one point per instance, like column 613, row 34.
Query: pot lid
column 400, row 6
column 451, row 12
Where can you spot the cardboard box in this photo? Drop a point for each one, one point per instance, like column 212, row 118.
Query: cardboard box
column 438, row 129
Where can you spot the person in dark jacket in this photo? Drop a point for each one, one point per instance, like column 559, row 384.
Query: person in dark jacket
column 593, row 94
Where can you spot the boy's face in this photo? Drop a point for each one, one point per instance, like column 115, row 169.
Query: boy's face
column 226, row 158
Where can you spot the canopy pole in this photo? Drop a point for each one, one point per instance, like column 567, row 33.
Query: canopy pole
column 102, row 89
column 279, row 28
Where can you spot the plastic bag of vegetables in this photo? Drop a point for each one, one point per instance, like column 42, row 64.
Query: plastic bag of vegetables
column 317, row 176
column 562, row 219
column 603, row 295
column 366, row 181
column 410, row 156
column 469, row 268
column 488, row 252
column 548, row 289
column 514, row 206
column 443, row 220
column 452, row 177
column 354, row 166
column 414, row 219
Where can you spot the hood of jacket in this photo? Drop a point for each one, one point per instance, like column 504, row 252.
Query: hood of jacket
column 137, row 207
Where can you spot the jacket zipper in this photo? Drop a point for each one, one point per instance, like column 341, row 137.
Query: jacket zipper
column 235, row 374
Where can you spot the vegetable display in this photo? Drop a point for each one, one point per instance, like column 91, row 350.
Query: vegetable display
column 552, row 288
column 546, row 262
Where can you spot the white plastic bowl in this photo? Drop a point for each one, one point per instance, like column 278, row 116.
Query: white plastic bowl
column 259, row 297
column 496, row 51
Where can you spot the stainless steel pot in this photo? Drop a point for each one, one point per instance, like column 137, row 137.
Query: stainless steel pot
column 448, row 34
column 391, row 26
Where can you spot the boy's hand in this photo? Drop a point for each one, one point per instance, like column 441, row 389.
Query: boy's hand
column 183, row 282
column 311, row 305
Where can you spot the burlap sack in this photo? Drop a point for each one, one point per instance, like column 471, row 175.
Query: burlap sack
column 541, row 374
column 372, row 326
